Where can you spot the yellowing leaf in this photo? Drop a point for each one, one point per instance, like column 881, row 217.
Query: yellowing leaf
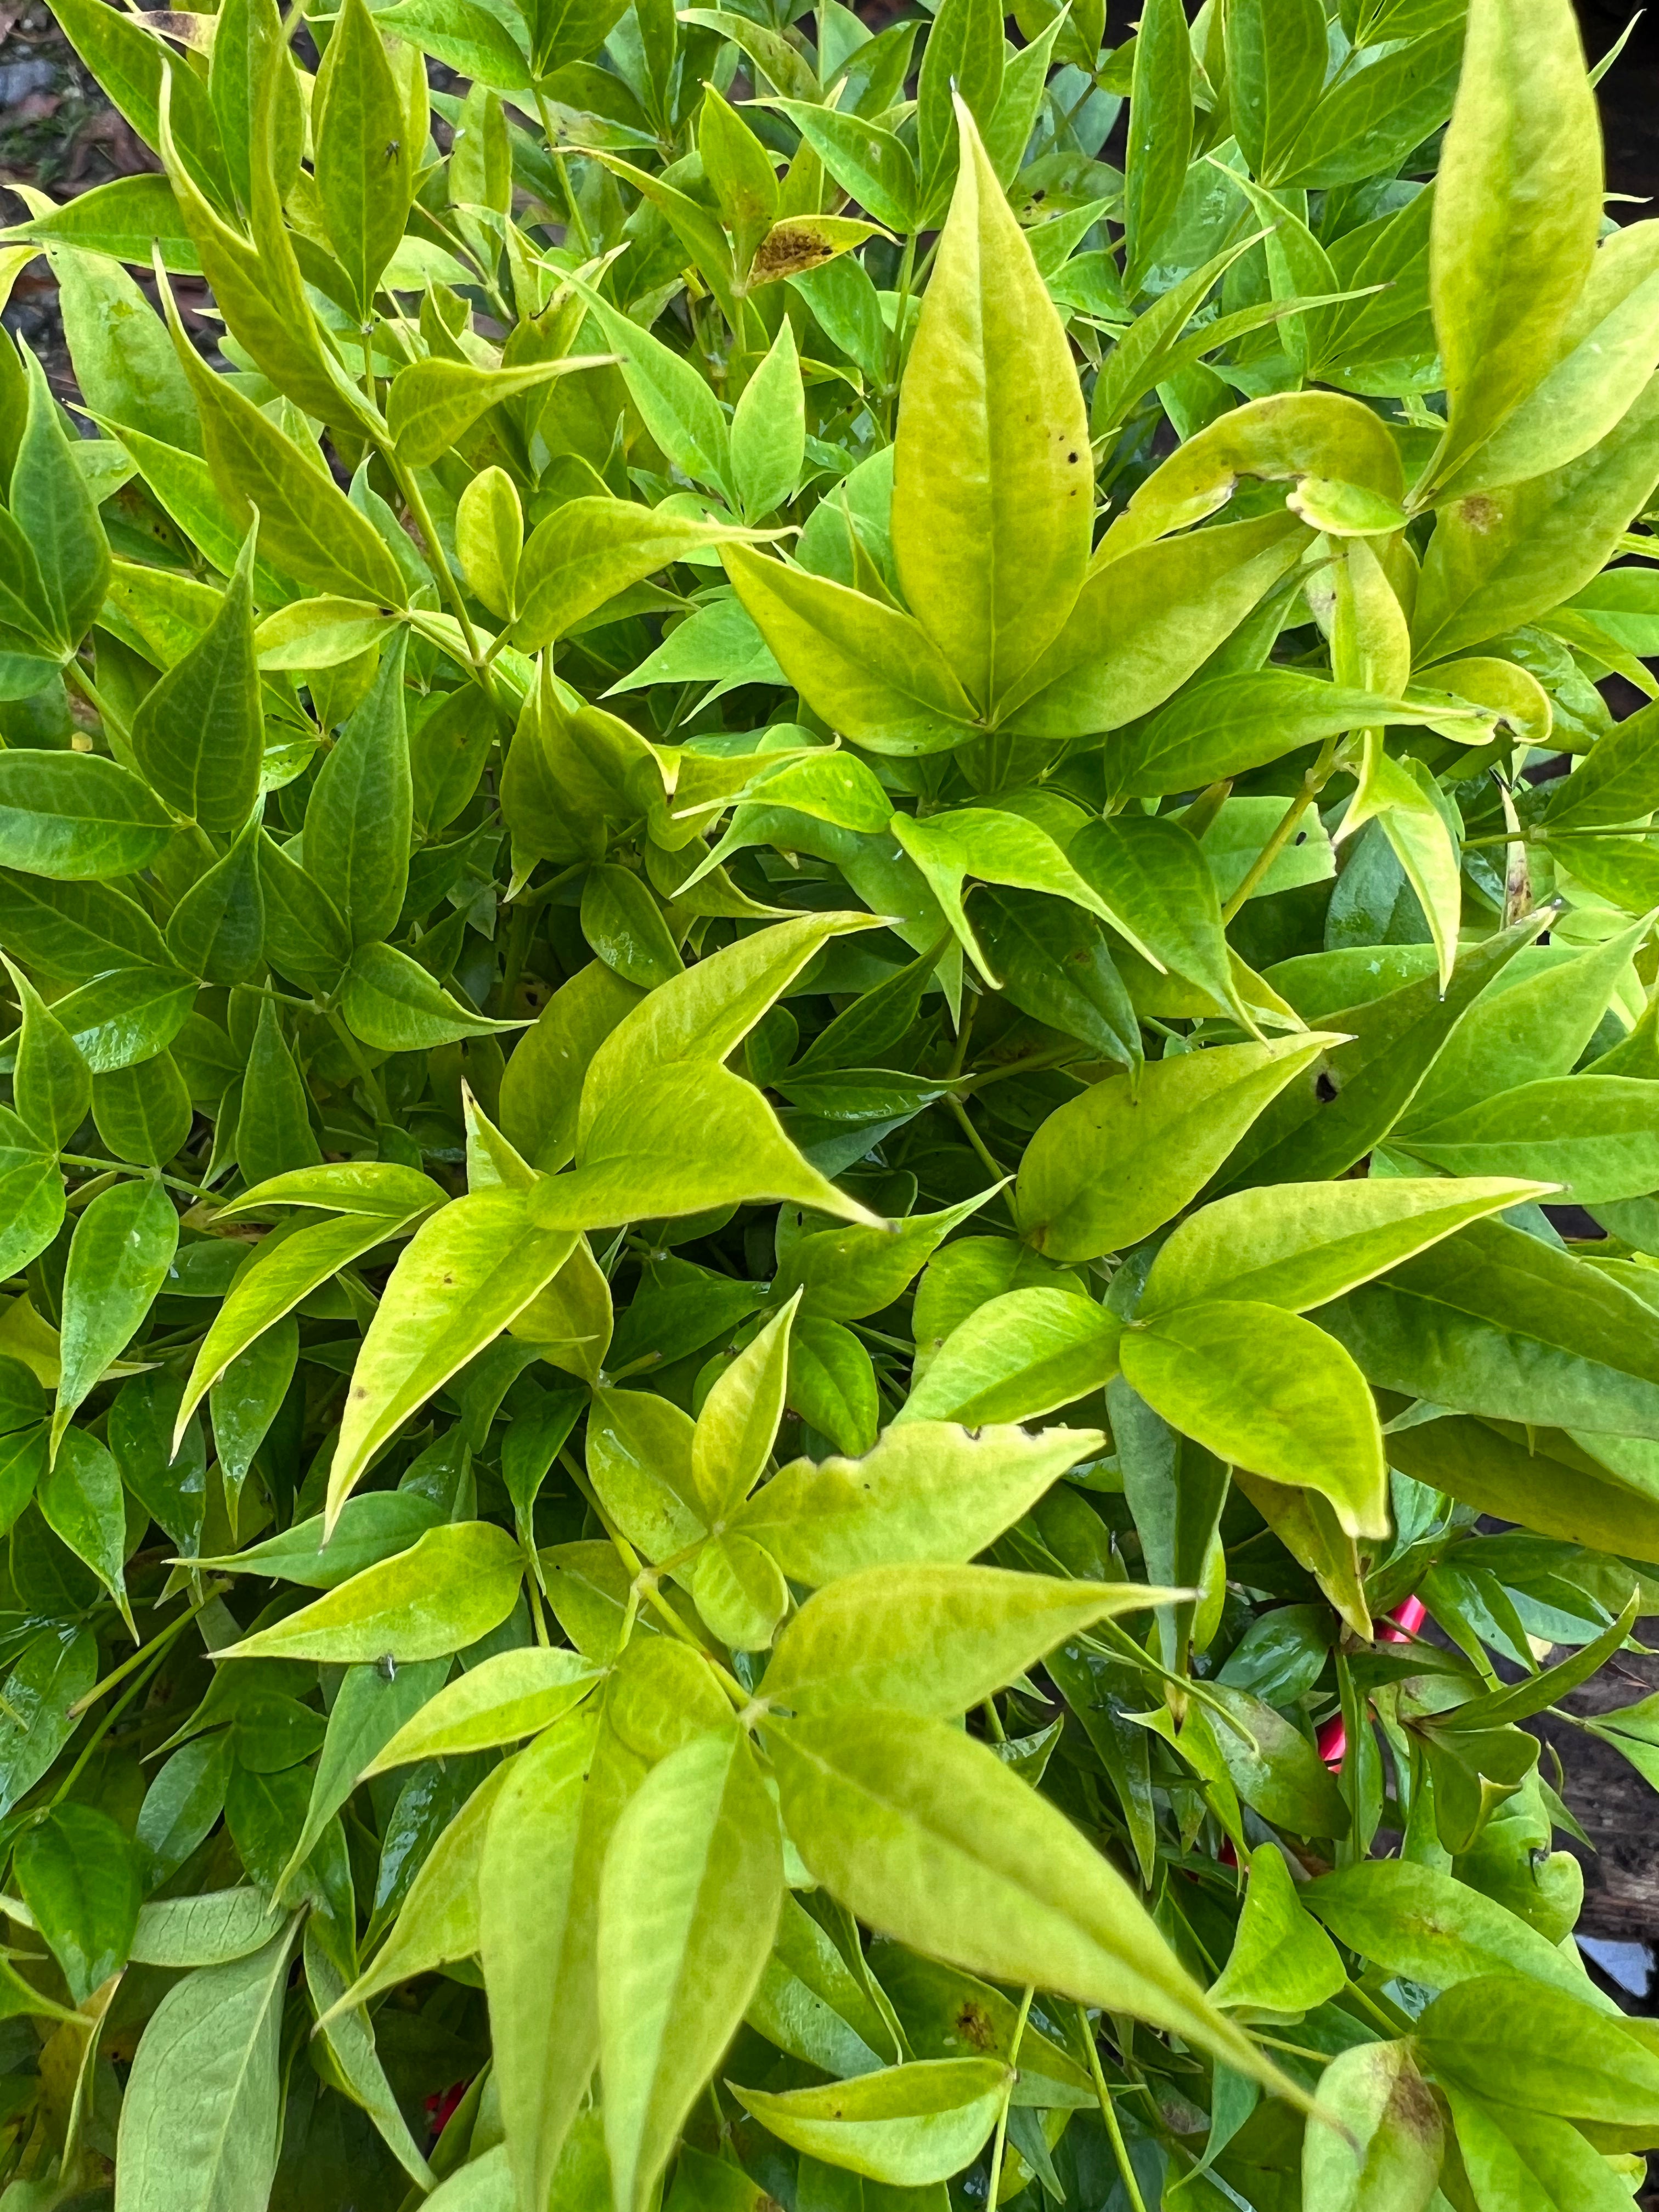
column 692, row 1885
column 922, row 1831
column 1108, row 1167
column 738, row 1422
column 513, row 1694
column 469, row 1270
column 934, row 1640
column 1269, row 1391
column 433, row 403
column 993, row 492
column 450, row 1587
column 927, row 1493
column 1391, row 2150
column 1297, row 1245
column 906, row 2126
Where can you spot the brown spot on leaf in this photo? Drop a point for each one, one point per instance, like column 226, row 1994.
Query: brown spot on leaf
column 789, row 250
column 974, row 2023
column 1478, row 513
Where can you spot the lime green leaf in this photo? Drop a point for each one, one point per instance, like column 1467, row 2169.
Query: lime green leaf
column 1108, row 1167
column 469, row 1270
column 1290, row 434
column 394, row 1005
column 439, row 1920
column 307, row 525
column 992, row 493
column 1296, row 1245
column 683, row 1140
column 846, row 1273
column 1017, row 1357
column 589, row 549
column 739, row 1423
column 689, row 1896
column 365, row 167
column 871, row 669
column 740, row 1592
column 997, row 848
column 1377, row 2095
column 370, row 1528
column 1282, row 1963
column 769, row 425
column 1500, row 559
column 452, row 1586
column 928, row 1639
column 1539, row 2050
column 543, row 1842
column 515, row 1694
column 922, row 1831
column 1422, row 1923
column 1263, row 1388
column 1142, row 625
column 928, row 1492
column 1594, row 1136
column 1347, row 1102
column 1513, row 2157
column 282, row 1272
column 433, row 402
column 1517, row 207
column 906, row 2126
column 1224, row 724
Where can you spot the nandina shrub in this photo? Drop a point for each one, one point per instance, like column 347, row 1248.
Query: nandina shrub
column 832, row 973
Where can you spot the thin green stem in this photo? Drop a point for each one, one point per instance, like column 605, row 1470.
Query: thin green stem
column 1308, row 789
column 994, row 2186
column 992, row 1165
column 371, row 1082
column 128, row 1167
column 157, row 1643
column 409, row 484
column 531, row 899
column 76, row 676
column 1389, row 2028
column 1109, row 2114
column 140, row 1682
column 964, row 1030
column 1295, row 2050
column 532, row 1582
column 560, row 159
column 1053, row 1057
column 906, row 278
